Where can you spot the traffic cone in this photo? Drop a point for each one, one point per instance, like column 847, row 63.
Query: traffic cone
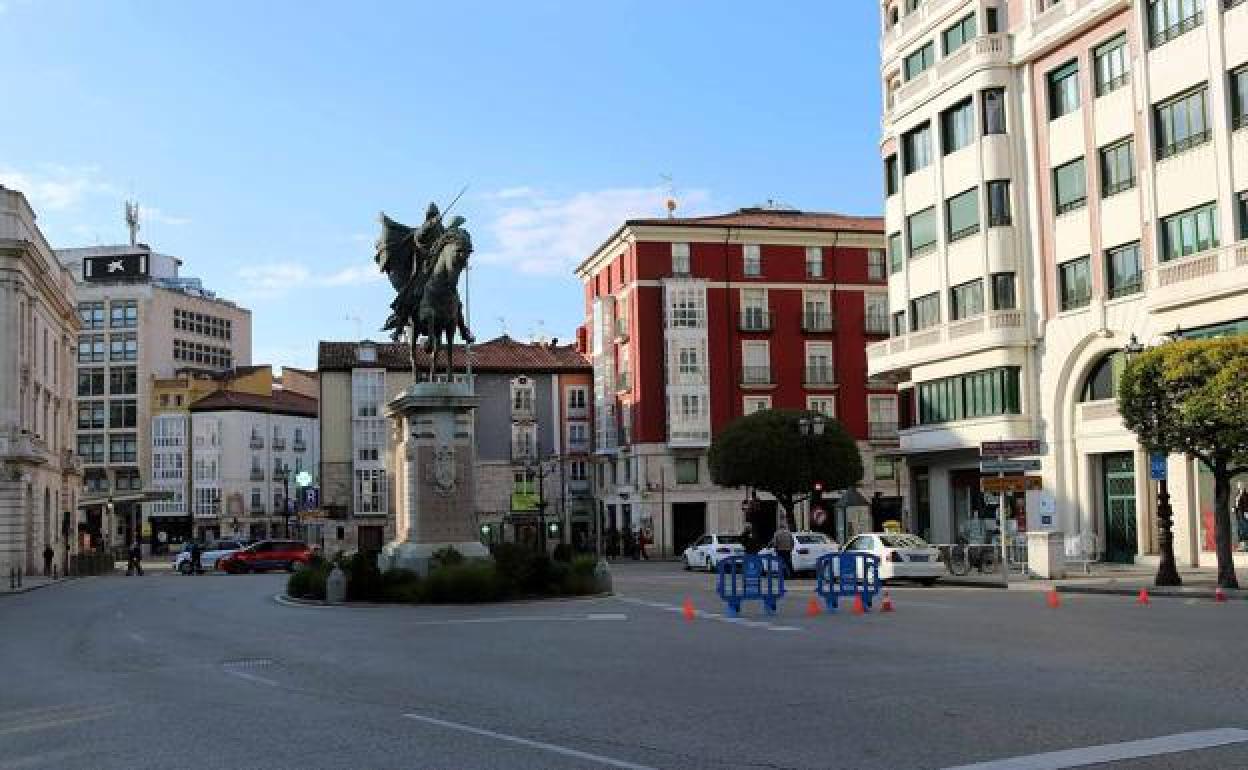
column 1219, row 595
column 1053, row 599
column 687, row 609
column 812, row 607
column 858, row 607
column 1143, row 597
column 887, row 604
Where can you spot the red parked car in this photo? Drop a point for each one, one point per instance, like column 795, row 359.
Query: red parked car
column 267, row 554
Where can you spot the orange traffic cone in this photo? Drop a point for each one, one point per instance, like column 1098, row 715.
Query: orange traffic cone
column 887, row 604
column 1219, row 595
column 1053, row 599
column 687, row 610
column 812, row 607
column 858, row 608
column 1143, row 597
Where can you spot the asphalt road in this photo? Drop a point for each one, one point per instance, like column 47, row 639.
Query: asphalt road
column 211, row 672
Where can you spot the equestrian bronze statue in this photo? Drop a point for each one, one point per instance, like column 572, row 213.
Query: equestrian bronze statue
column 424, row 264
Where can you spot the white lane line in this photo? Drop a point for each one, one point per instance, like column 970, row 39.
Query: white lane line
column 716, row 616
column 1116, row 752
column 250, row 677
column 567, row 752
column 606, row 616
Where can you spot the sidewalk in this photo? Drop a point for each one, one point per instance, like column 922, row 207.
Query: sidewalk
column 29, row 583
column 1112, row 579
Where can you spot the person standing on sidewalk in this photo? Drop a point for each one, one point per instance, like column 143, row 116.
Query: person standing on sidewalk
column 643, row 537
column 135, row 563
column 47, row 560
column 784, row 548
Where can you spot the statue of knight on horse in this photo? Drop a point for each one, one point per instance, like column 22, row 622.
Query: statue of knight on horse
column 423, row 265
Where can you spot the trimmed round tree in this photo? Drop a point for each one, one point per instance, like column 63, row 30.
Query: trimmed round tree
column 1190, row 397
column 766, row 450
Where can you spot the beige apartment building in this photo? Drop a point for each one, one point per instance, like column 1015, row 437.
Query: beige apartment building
column 1061, row 178
column 40, row 476
column 140, row 318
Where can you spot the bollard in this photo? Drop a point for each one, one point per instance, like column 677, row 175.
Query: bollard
column 602, row 577
column 336, row 586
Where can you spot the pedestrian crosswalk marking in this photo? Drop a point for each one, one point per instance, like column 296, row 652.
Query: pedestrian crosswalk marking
column 1116, row 752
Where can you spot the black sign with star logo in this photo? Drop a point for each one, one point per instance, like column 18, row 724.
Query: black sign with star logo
column 114, row 268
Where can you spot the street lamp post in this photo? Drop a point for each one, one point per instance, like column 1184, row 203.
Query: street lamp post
column 811, row 429
column 540, row 473
column 1167, row 571
column 286, row 500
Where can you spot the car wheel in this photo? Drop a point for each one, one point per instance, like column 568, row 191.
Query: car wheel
column 185, row 568
column 290, row 566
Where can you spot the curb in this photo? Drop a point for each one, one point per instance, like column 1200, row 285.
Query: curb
column 293, row 601
column 28, row 589
column 1153, row 592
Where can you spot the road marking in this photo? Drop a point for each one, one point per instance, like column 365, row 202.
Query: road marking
column 52, row 717
column 1116, row 752
column 137, row 637
column 554, row 749
column 250, row 677
column 606, row 616
column 716, row 616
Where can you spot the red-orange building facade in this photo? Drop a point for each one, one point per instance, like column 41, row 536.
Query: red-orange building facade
column 692, row 322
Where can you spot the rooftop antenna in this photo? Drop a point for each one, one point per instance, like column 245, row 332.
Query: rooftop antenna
column 502, row 322
column 132, row 221
column 539, row 335
column 671, row 195
column 359, row 326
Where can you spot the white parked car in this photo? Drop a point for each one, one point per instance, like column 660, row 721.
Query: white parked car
column 907, row 557
column 208, row 558
column 709, row 550
column 807, row 548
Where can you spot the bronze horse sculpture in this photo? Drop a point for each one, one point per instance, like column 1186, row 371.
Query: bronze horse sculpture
column 424, row 265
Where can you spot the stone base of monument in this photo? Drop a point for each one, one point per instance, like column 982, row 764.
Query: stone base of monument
column 435, row 475
column 417, row 556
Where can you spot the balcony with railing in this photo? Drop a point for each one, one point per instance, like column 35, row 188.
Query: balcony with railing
column 756, row 375
column 279, row 443
column 754, row 320
column 299, row 445
column 523, row 452
column 875, row 323
column 257, row 474
column 818, row 321
column 999, row 328
column 984, row 51
column 1199, row 277
column 882, row 430
column 818, row 376
column 257, row 508
column 257, row 441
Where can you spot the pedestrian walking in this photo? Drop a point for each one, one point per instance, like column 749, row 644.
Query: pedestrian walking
column 747, row 538
column 784, row 547
column 47, row 560
column 613, row 543
column 135, row 564
column 196, row 551
column 642, row 538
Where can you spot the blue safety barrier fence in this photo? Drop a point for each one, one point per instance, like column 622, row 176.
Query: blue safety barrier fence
column 848, row 574
column 750, row 577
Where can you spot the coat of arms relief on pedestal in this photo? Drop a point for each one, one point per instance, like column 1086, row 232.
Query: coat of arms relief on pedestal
column 441, row 470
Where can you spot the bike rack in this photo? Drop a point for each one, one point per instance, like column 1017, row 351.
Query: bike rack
column 750, row 577
column 847, row 573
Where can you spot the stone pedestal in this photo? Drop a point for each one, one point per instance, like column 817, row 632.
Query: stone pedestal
column 1046, row 555
column 435, row 475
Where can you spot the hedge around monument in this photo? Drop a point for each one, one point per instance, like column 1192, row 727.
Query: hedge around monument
column 515, row 573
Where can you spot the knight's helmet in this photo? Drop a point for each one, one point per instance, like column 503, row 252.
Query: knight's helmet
column 432, row 212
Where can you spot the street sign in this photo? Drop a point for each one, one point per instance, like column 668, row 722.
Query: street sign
column 1009, row 483
column 1012, row 448
column 1008, row 466
column 1157, row 466
column 311, row 496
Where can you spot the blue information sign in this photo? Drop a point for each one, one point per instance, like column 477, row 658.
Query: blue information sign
column 1157, row 466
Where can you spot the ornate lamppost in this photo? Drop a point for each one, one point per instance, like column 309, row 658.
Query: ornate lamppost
column 811, row 429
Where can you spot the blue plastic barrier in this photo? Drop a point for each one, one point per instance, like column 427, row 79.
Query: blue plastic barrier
column 847, row 573
column 750, row 576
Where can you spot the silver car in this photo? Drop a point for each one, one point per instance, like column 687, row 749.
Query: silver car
column 208, row 558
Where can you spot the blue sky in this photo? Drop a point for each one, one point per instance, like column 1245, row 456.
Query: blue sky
column 262, row 139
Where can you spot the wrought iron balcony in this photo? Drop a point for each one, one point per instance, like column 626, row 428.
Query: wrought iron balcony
column 755, row 320
column 279, row 442
column 818, row 321
column 756, row 375
column 873, row 323
column 882, row 430
column 257, row 442
column 257, row 474
column 299, row 445
column 819, row 375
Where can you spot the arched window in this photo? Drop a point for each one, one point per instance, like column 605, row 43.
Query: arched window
column 1102, row 381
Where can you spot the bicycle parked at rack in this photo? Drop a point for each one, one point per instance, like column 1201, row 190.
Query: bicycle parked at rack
column 961, row 558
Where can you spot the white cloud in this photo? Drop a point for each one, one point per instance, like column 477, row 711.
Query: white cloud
column 56, row 187
column 352, row 276
column 157, row 216
column 275, row 279
column 508, row 193
column 535, row 233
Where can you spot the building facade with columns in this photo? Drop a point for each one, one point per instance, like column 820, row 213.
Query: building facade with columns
column 40, row 476
column 1060, row 177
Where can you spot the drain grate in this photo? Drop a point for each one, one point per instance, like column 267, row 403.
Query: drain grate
column 246, row 663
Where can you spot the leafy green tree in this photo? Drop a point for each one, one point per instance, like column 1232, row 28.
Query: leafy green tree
column 1190, row 397
column 767, row 451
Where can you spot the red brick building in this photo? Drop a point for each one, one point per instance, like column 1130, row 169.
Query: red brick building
column 692, row 322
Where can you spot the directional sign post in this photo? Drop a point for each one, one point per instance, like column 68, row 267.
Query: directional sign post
column 1014, row 448
column 1010, row 467
column 1157, row 467
column 996, row 457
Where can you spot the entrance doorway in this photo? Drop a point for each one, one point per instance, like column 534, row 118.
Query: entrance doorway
column 371, row 538
column 688, row 524
column 1118, row 481
column 922, row 503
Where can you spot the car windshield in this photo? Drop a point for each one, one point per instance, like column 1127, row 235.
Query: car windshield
column 903, row 541
column 812, row 539
column 729, row 539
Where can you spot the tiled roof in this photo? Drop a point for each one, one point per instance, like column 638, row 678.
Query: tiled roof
column 278, row 402
column 777, row 219
column 501, row 354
